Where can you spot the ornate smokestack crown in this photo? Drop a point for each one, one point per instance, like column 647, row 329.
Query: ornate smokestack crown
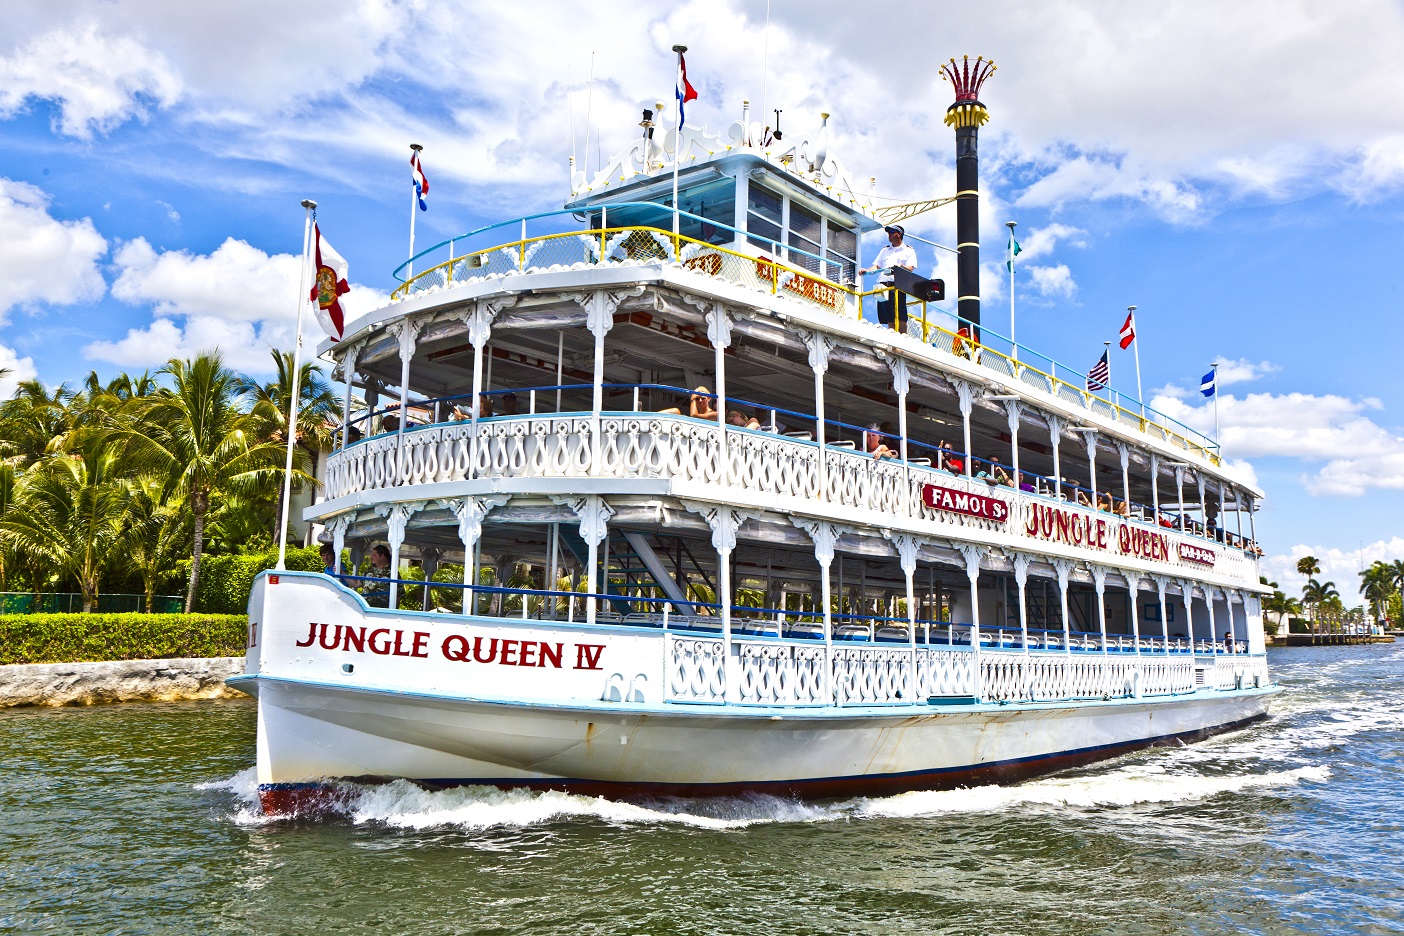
column 967, row 111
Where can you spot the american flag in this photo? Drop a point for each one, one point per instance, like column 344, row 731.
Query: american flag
column 1100, row 374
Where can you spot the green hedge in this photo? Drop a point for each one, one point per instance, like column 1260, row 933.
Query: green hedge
column 77, row 638
column 225, row 581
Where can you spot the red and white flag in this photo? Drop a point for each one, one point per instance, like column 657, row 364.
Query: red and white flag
column 1128, row 331
column 329, row 285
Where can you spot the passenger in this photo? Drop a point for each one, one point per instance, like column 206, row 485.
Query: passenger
column 874, row 444
column 700, row 406
column 376, row 590
column 390, row 421
column 737, row 417
column 948, row 460
column 1082, row 499
column 1107, row 505
column 1228, row 642
column 328, row 555
column 458, row 414
column 998, row 475
column 509, row 405
column 1123, row 510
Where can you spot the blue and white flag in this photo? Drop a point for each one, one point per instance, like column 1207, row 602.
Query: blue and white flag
column 1206, row 386
column 684, row 91
column 421, row 181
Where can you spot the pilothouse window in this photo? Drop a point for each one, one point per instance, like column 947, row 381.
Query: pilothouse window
column 806, row 229
column 764, row 215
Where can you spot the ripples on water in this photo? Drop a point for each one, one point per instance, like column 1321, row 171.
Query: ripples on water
column 143, row 819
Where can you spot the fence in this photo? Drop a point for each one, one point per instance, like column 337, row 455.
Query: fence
column 72, row 602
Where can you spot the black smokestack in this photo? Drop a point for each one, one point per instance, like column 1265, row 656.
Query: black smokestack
column 967, row 115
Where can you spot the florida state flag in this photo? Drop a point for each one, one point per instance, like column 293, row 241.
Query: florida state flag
column 328, row 285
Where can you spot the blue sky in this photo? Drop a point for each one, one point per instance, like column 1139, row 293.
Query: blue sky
column 1236, row 172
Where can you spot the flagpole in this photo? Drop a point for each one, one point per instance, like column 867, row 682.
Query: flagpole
column 1013, row 345
column 1106, row 353
column 414, row 203
column 677, row 138
column 302, row 300
column 1215, row 369
column 1136, row 350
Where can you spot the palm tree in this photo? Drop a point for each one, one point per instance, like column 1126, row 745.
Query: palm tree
column 1376, row 584
column 194, row 434
column 1315, row 593
column 318, row 413
column 70, row 511
column 34, row 421
column 157, row 533
column 1278, row 603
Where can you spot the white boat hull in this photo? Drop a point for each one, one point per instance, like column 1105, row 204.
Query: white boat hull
column 440, row 721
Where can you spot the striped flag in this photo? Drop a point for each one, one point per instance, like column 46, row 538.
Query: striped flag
column 1100, row 374
column 684, row 91
column 421, row 181
column 1207, row 385
column 1010, row 252
column 1128, row 331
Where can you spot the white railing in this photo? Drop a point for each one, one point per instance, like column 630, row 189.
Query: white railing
column 676, row 447
column 772, row 672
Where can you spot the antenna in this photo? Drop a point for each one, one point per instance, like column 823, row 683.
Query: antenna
column 765, row 60
column 589, row 103
column 570, row 96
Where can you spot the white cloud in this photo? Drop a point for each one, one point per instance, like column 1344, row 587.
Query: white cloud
column 1098, row 179
column 20, row 369
column 1341, row 566
column 1243, row 370
column 1038, row 242
column 1355, row 454
column 98, row 81
column 237, row 299
column 1053, row 280
column 45, row 260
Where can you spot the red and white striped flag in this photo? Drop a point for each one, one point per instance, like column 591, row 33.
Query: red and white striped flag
column 1128, row 331
column 329, row 285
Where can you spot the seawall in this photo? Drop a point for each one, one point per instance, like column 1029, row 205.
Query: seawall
column 118, row 681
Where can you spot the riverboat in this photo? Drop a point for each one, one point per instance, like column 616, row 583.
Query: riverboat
column 670, row 513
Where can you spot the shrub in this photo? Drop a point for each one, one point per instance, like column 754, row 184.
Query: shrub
column 225, row 581
column 78, row 638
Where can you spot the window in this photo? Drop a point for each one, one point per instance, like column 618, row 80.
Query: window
column 764, row 213
column 842, row 255
column 806, row 228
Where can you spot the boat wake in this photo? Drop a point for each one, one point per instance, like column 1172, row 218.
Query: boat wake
column 402, row 805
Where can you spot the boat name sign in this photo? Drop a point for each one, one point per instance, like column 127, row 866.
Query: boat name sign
column 1059, row 525
column 459, row 648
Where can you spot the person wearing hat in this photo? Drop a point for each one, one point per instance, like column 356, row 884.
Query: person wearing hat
column 895, row 254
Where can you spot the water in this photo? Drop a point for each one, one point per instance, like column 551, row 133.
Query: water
column 142, row 819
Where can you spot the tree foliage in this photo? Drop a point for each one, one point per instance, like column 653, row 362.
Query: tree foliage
column 108, row 486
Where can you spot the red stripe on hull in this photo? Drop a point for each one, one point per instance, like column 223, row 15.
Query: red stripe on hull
column 316, row 799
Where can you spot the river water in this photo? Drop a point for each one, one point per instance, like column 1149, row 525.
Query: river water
column 142, row 819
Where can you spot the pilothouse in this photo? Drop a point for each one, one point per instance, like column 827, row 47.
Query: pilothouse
column 669, row 510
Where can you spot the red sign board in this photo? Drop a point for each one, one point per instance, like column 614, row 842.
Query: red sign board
column 963, row 502
column 1200, row 554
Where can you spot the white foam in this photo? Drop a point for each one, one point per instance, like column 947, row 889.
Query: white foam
column 1127, row 786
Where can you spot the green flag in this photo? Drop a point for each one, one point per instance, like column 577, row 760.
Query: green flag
column 1011, row 252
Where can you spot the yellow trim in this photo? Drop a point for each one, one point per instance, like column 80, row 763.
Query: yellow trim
column 969, row 244
column 963, row 298
column 975, row 192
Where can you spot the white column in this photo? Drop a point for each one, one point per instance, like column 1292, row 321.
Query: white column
column 972, row 556
column 824, row 536
column 901, row 384
column 594, row 516
column 1133, row 591
column 348, row 372
column 1187, row 593
column 907, row 547
column 719, row 334
column 820, row 347
column 1125, row 454
column 1213, row 628
column 599, row 305
column 1099, row 582
column 396, row 520
column 407, row 331
column 1180, row 507
column 470, row 512
column 1090, row 438
column 478, row 318
column 1014, row 413
column 1063, row 568
column 1021, row 578
column 1161, row 584
column 1155, row 488
column 966, row 392
column 338, row 530
column 1203, row 505
column 1055, row 434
